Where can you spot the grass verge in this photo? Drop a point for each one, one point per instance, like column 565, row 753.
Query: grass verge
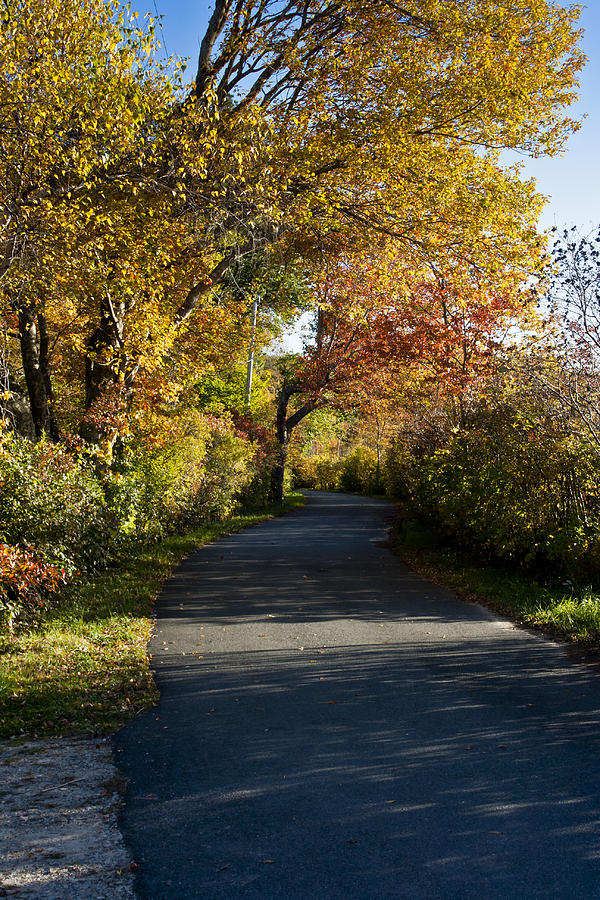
column 84, row 666
column 564, row 611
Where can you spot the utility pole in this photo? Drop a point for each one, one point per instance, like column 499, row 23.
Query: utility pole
column 251, row 353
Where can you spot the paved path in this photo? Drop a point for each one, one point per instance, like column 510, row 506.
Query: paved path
column 333, row 726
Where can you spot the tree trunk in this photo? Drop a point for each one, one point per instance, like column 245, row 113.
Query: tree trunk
column 285, row 426
column 106, row 365
column 33, row 338
column 278, row 475
column 44, row 344
column 103, row 347
column 283, row 443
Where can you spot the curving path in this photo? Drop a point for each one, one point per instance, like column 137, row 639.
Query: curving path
column 333, row 726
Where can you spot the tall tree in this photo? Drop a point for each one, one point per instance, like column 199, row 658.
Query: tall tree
column 563, row 360
column 79, row 97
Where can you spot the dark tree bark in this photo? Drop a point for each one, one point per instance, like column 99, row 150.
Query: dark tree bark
column 44, row 344
column 107, row 365
column 33, row 339
column 103, row 347
column 283, row 434
column 285, row 427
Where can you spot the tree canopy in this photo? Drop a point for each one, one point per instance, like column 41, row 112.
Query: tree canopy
column 345, row 154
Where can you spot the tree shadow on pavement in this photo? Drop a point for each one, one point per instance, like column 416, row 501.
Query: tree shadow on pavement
column 458, row 770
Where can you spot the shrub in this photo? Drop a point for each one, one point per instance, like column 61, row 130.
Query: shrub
column 304, row 471
column 51, row 500
column 193, row 472
column 226, row 472
column 27, row 585
column 399, row 470
column 328, row 474
column 254, row 495
column 359, row 471
column 509, row 492
column 319, row 473
column 155, row 481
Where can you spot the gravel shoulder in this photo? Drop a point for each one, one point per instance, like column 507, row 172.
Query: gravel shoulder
column 59, row 838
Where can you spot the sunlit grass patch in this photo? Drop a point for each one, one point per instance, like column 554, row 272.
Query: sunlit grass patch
column 84, row 666
column 575, row 617
column 54, row 680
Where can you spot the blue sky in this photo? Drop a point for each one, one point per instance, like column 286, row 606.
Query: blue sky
column 572, row 181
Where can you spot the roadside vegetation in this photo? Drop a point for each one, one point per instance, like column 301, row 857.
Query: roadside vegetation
column 555, row 605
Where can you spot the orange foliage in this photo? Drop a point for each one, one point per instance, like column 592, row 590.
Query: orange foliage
column 26, row 581
column 375, row 319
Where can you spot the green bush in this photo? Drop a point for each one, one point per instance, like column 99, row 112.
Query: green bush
column 328, row 474
column 227, row 471
column 57, row 518
column 509, row 492
column 254, row 494
column 150, row 488
column 304, row 471
column 318, row 473
column 398, row 471
column 359, row 472
column 195, row 475
column 52, row 501
column 356, row 473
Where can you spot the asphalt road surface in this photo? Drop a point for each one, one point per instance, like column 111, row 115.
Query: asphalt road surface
column 333, row 726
